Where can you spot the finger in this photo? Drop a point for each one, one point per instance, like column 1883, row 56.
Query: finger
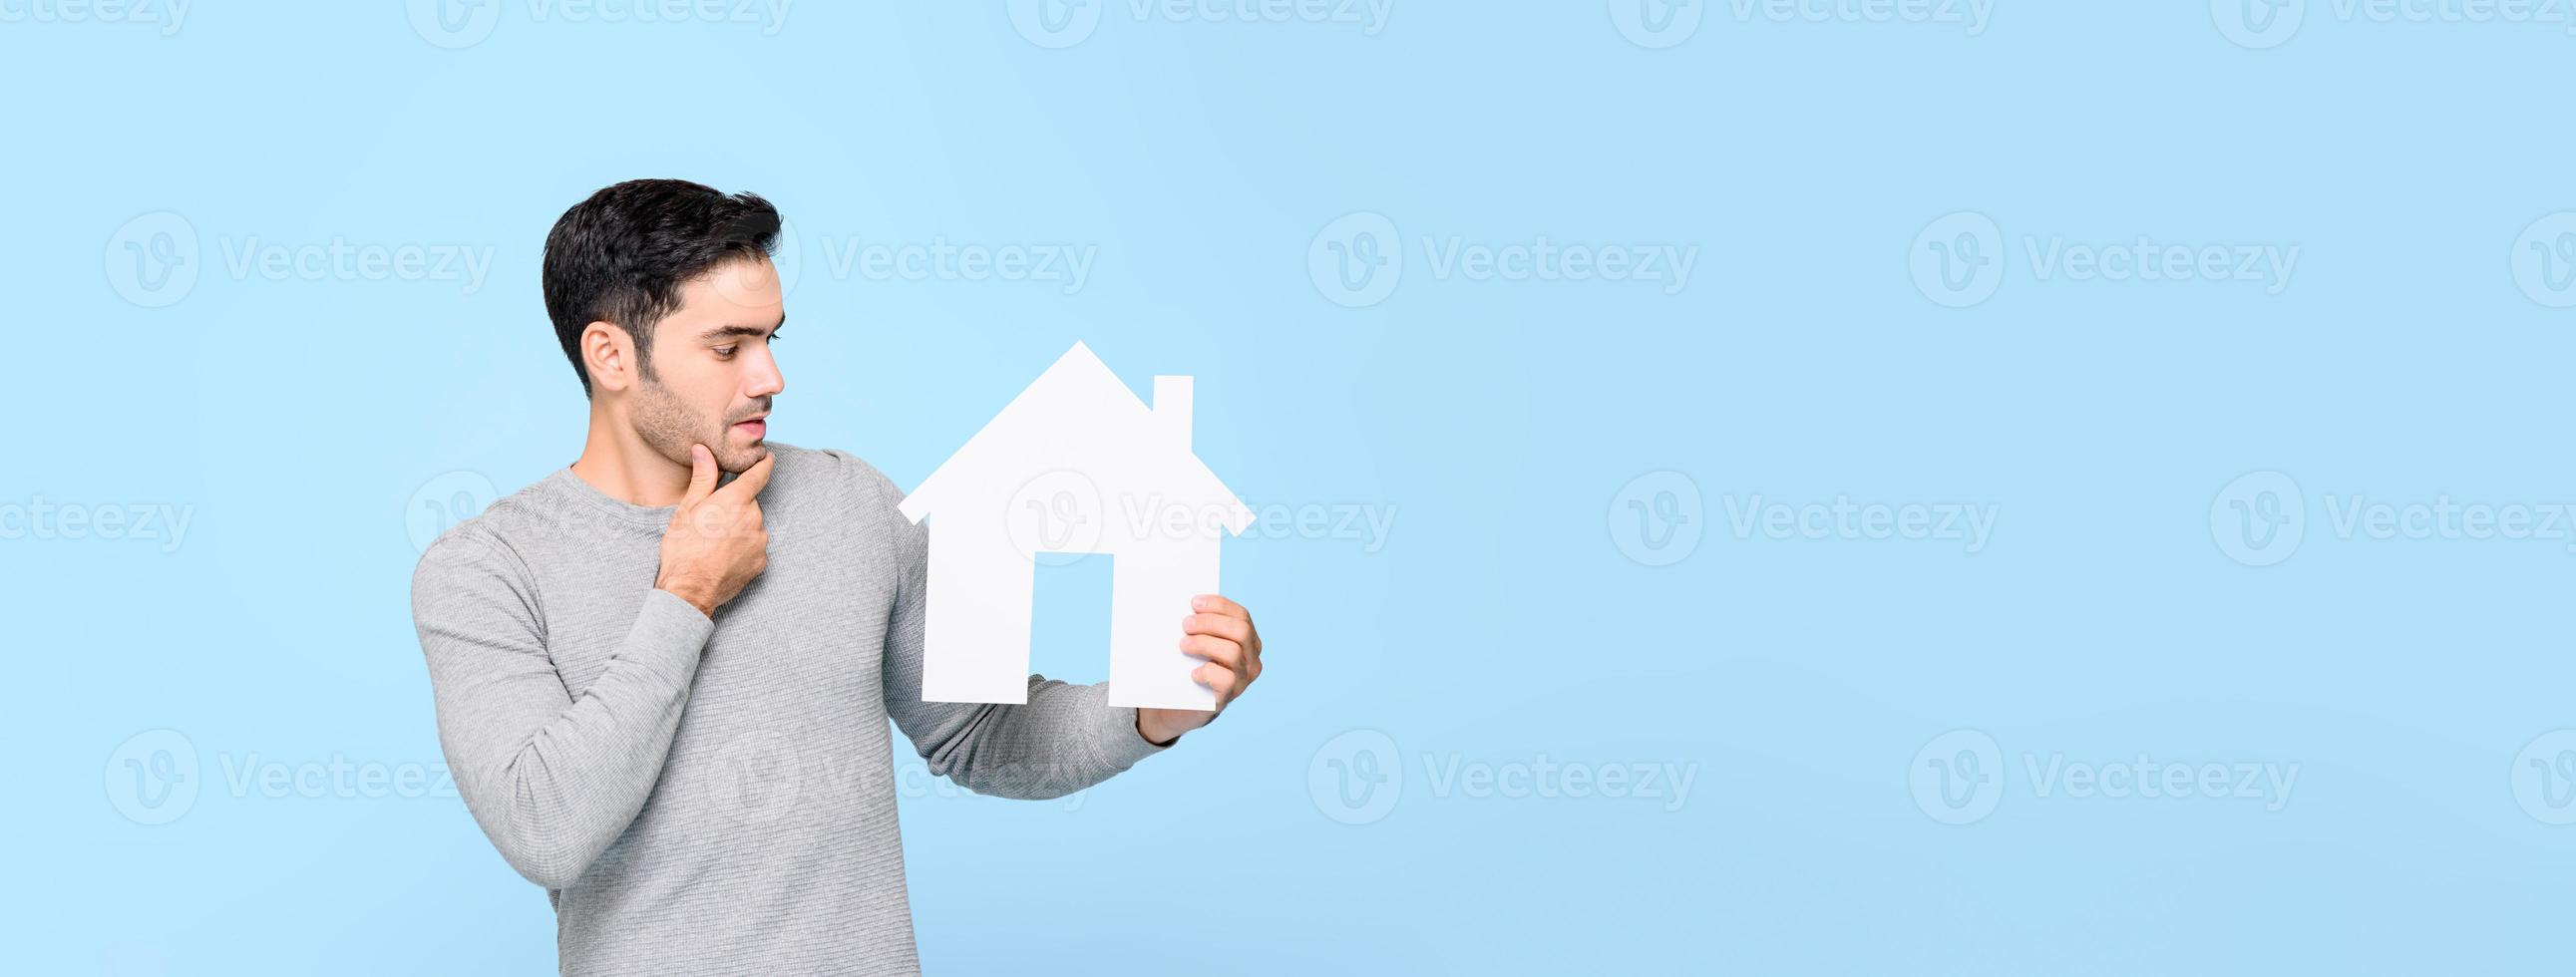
column 1219, row 678
column 747, row 485
column 702, row 475
column 1232, row 629
column 1217, row 650
column 1217, row 604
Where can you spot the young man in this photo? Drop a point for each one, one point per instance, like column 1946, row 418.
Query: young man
column 664, row 694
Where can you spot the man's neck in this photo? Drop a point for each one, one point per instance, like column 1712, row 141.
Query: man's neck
column 617, row 462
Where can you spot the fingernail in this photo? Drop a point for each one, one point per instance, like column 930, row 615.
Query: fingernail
column 1199, row 603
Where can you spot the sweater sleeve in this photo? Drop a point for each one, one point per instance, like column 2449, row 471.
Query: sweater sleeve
column 1065, row 738
column 552, row 779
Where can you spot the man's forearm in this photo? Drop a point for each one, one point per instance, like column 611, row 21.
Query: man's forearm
column 1065, row 738
column 554, row 780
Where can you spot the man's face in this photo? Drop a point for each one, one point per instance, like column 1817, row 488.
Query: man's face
column 712, row 373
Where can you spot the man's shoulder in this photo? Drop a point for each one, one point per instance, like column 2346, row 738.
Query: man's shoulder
column 486, row 542
column 828, row 487
column 838, row 472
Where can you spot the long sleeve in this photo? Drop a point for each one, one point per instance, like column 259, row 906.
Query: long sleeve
column 1065, row 738
column 552, row 779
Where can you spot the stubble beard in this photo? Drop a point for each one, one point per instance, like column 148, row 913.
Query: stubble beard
column 669, row 426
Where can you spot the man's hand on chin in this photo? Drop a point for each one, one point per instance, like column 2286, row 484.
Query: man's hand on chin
column 1221, row 632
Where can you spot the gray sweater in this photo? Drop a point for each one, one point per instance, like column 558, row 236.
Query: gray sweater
column 717, row 796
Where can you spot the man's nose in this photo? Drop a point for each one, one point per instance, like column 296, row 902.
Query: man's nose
column 765, row 379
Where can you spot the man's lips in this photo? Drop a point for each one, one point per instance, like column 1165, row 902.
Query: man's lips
column 756, row 427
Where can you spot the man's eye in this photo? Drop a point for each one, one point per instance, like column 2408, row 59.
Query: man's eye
column 726, row 352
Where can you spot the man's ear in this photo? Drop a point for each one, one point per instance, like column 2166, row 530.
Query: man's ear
column 610, row 354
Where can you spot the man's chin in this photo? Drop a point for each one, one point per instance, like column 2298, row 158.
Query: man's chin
column 739, row 458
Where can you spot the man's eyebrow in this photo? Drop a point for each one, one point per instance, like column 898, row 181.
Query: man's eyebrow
column 721, row 332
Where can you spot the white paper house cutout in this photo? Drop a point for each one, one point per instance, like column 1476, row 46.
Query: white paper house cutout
column 1074, row 464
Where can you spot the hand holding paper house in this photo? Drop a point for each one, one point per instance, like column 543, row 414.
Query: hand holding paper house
column 1074, row 464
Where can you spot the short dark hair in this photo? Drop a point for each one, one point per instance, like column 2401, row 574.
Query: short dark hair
column 622, row 256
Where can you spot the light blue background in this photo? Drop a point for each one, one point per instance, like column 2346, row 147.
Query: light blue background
column 1512, row 613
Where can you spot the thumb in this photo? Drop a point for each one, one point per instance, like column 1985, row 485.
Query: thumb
column 702, row 475
column 747, row 485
